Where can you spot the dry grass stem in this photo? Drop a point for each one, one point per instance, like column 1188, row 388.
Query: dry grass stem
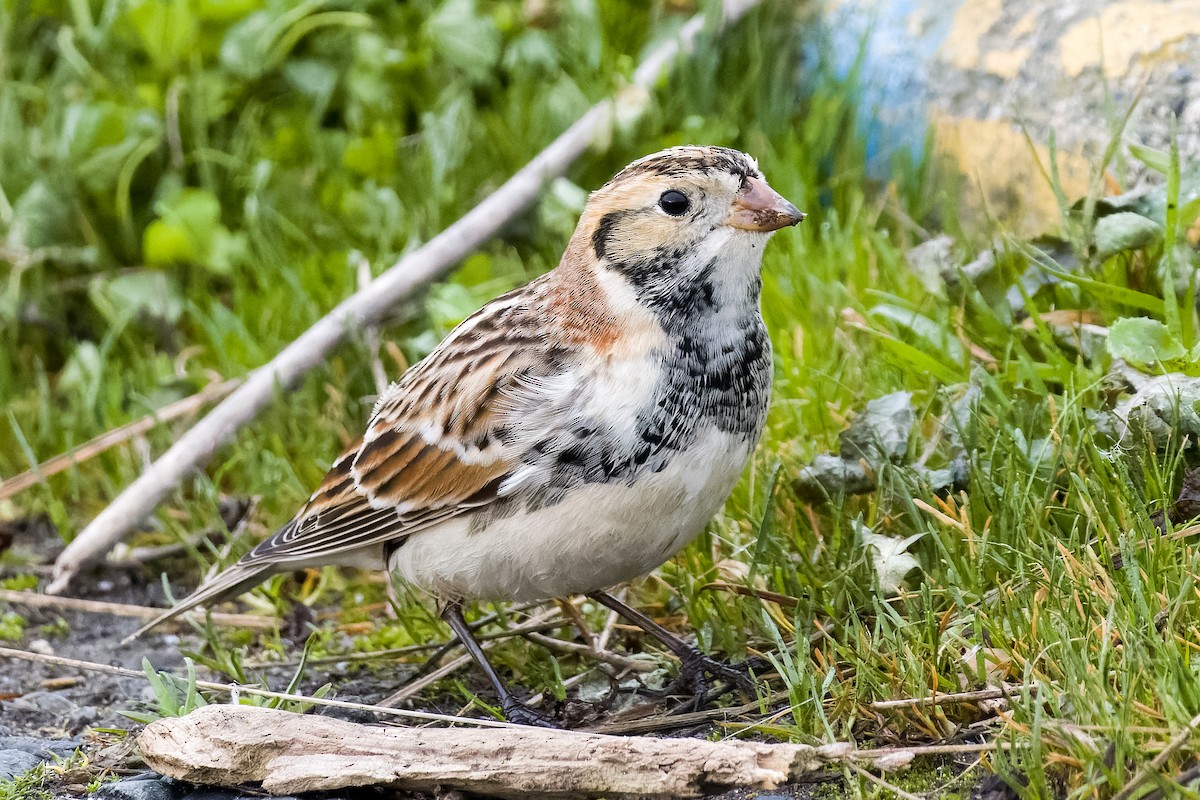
column 34, row 600
column 120, row 435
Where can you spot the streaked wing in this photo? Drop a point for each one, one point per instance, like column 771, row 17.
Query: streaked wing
column 439, row 444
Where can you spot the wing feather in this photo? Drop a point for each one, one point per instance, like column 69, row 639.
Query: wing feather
column 440, row 443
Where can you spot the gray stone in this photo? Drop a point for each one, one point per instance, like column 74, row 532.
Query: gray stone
column 147, row 786
column 216, row 793
column 44, row 748
column 51, row 704
column 15, row 763
column 82, row 717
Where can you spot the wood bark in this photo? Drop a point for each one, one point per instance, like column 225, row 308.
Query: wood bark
column 286, row 753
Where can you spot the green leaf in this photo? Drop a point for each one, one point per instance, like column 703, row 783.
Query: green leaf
column 167, row 28
column 939, row 339
column 147, row 293
column 1153, row 158
column 468, row 40
column 1144, row 342
column 1112, row 292
column 1189, row 213
column 165, row 243
column 41, row 217
column 244, row 49
column 1125, row 230
column 189, row 230
column 908, row 355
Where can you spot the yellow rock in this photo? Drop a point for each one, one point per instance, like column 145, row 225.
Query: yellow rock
column 971, row 23
column 1125, row 34
column 998, row 162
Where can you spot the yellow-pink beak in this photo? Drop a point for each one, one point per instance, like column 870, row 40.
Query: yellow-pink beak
column 760, row 208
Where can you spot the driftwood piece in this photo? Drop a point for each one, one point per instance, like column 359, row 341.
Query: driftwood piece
column 370, row 305
column 287, row 753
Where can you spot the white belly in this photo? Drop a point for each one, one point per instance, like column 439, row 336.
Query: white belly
column 598, row 536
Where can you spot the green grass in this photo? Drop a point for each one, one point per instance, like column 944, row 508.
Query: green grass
column 179, row 207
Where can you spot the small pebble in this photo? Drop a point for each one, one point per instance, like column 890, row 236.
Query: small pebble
column 82, row 717
column 41, row 647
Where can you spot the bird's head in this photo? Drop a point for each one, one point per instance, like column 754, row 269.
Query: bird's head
column 669, row 217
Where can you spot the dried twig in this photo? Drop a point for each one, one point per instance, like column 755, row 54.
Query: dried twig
column 409, row 275
column 289, row 753
column 949, row 698
column 1159, row 760
column 415, row 687
column 109, row 439
column 125, row 610
column 91, row 666
column 393, row 652
column 675, row 721
column 878, row 781
column 606, row 656
column 1182, row 779
column 371, row 332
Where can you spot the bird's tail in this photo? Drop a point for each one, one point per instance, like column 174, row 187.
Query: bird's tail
column 231, row 582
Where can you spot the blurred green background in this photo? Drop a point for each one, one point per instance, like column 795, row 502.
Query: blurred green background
column 185, row 186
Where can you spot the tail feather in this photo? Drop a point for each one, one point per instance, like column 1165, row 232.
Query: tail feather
column 232, row 582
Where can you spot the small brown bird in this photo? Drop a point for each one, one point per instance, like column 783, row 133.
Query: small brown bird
column 576, row 432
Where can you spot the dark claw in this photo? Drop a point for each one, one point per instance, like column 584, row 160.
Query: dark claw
column 696, row 669
column 517, row 712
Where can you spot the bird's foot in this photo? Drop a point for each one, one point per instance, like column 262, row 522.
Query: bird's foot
column 517, row 712
column 697, row 672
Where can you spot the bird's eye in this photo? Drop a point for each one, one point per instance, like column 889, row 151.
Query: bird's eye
column 673, row 202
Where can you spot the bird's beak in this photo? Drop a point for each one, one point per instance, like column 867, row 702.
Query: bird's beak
column 760, row 208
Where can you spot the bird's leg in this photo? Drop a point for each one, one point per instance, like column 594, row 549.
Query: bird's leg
column 695, row 666
column 514, row 709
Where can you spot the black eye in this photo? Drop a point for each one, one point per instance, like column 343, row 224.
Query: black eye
column 673, row 202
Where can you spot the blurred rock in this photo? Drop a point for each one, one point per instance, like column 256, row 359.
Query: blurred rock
column 49, row 704
column 43, row 748
column 15, row 763
column 140, row 787
column 981, row 73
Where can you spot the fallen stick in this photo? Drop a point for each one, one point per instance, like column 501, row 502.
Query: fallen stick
column 119, row 435
column 370, row 305
column 233, row 689
column 291, row 753
column 34, row 600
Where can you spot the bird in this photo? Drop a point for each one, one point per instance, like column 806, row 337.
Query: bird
column 575, row 433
